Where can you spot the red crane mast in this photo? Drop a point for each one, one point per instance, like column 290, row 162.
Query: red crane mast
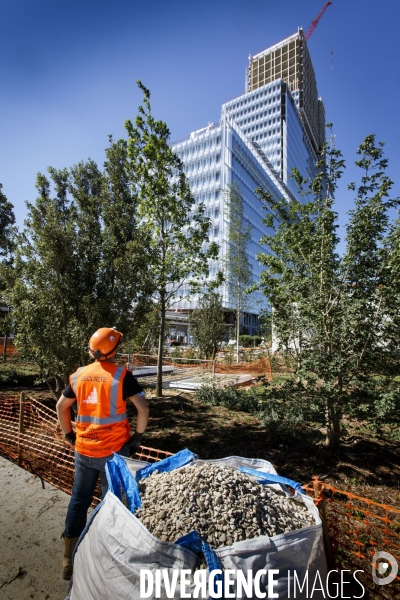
column 317, row 20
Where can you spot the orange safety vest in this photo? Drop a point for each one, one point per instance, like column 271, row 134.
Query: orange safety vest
column 102, row 426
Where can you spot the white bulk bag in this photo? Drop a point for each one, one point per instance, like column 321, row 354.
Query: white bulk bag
column 115, row 546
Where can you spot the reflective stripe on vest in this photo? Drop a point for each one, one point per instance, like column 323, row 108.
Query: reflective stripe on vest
column 74, row 378
column 114, row 391
column 101, row 420
column 114, row 417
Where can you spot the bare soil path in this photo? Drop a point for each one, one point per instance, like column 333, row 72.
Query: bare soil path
column 31, row 521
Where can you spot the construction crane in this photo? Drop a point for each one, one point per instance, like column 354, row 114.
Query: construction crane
column 317, row 20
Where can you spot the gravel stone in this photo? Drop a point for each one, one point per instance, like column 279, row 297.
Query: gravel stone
column 222, row 504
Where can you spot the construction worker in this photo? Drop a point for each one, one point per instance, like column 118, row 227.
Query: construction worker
column 100, row 390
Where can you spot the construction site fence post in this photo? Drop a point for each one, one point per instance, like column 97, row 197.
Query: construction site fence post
column 21, row 423
column 21, row 412
column 318, row 495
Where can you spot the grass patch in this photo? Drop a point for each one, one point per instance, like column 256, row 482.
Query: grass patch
column 18, row 367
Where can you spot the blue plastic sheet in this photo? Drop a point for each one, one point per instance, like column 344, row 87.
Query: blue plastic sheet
column 167, row 464
column 270, row 478
column 119, row 475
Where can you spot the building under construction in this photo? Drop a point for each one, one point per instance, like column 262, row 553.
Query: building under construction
column 290, row 61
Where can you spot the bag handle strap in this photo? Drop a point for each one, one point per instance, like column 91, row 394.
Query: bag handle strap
column 167, row 464
column 270, row 478
column 119, row 475
column 194, row 542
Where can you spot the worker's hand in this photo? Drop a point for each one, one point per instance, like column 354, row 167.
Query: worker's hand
column 134, row 443
column 70, row 437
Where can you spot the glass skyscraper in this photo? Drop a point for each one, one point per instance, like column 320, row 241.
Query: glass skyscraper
column 275, row 125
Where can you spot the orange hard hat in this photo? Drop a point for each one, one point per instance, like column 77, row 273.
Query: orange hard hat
column 104, row 343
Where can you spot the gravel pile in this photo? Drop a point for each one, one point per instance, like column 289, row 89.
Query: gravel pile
column 223, row 505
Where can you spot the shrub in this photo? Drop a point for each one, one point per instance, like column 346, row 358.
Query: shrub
column 246, row 340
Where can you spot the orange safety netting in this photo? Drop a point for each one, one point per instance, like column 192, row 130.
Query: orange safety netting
column 33, row 439
column 257, row 368
column 356, row 529
column 260, row 367
column 10, row 348
column 147, row 360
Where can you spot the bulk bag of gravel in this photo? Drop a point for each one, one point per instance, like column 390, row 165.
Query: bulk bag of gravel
column 248, row 519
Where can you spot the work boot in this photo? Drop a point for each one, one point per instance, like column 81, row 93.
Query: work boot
column 69, row 546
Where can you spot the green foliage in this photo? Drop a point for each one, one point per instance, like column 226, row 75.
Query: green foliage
column 77, row 265
column 338, row 318
column 7, row 229
column 278, row 415
column 7, row 245
column 207, row 324
column 228, row 355
column 173, row 227
column 144, row 336
column 246, row 340
column 9, row 375
column 229, row 397
column 177, row 352
column 95, row 252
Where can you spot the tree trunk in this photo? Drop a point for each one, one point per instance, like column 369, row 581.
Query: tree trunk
column 237, row 330
column 5, row 347
column 52, row 390
column 333, row 426
column 160, row 348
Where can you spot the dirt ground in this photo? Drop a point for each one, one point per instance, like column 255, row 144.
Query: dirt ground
column 32, row 518
column 31, row 521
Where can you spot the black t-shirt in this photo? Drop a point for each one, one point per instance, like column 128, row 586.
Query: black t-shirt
column 130, row 387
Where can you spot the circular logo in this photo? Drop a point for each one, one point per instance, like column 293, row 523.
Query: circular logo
column 384, row 568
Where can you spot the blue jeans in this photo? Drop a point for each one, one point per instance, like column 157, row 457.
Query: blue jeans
column 87, row 471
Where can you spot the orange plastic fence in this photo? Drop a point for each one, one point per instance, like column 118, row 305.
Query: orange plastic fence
column 34, row 441
column 147, row 360
column 259, row 367
column 10, row 348
column 151, row 454
column 358, row 528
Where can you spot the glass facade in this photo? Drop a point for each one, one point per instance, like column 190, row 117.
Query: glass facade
column 262, row 135
column 297, row 150
column 215, row 157
column 268, row 116
column 258, row 114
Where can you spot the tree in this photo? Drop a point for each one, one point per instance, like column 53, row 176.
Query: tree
column 126, row 256
column 238, row 272
column 78, row 265
column 7, row 229
column 207, row 324
column 7, row 244
column 44, row 297
column 337, row 317
column 175, row 230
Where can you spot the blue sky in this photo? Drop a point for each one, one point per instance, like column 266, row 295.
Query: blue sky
column 68, row 71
